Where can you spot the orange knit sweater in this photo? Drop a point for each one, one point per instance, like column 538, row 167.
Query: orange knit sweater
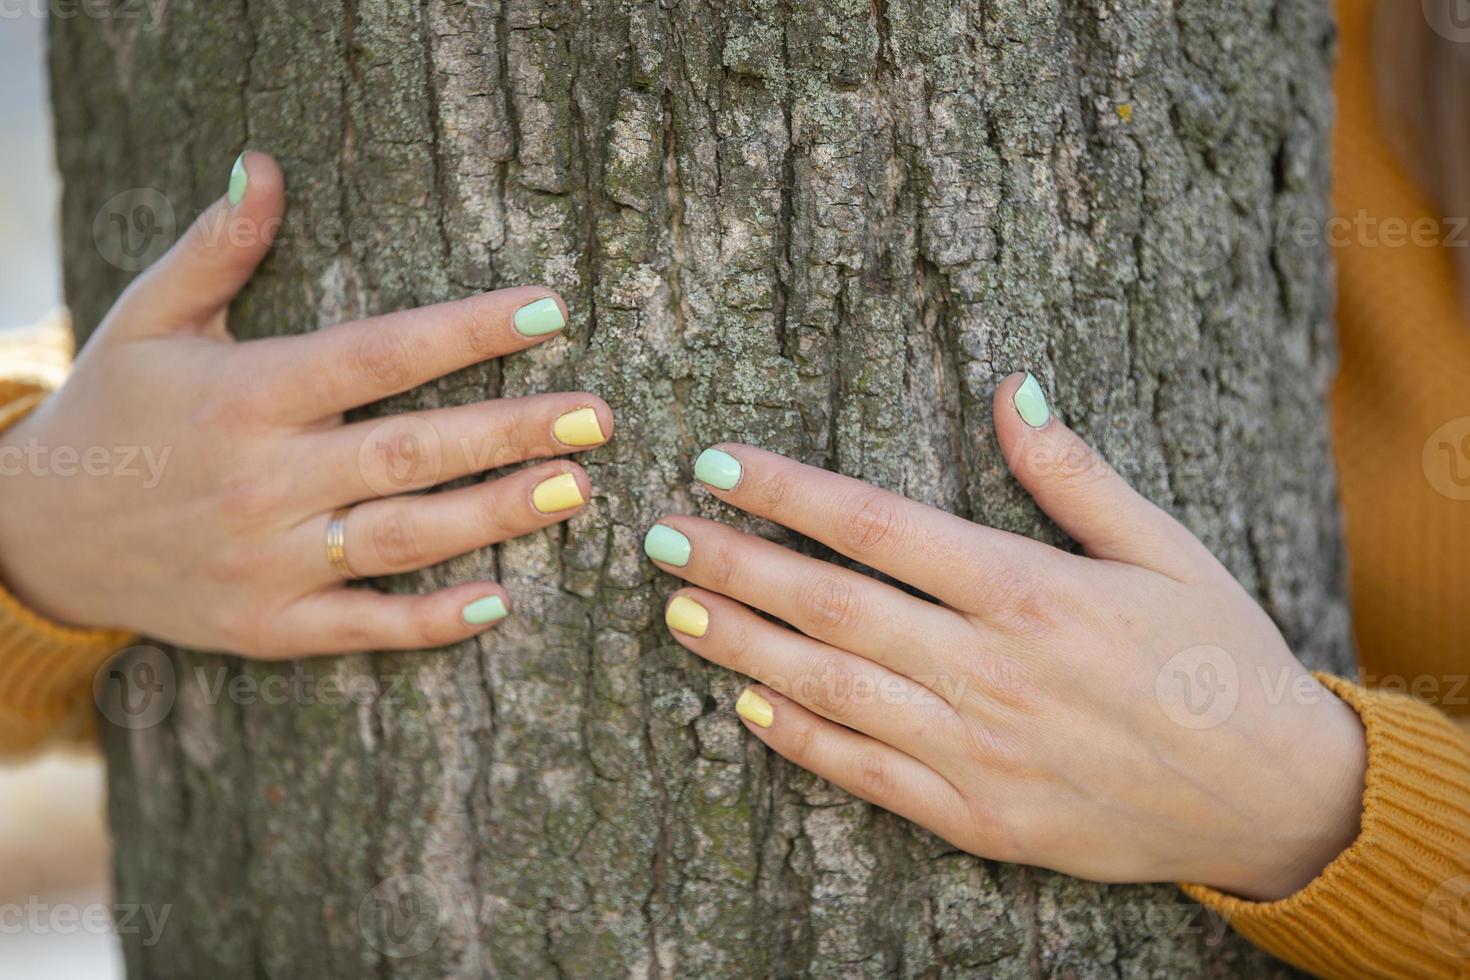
column 1397, row 902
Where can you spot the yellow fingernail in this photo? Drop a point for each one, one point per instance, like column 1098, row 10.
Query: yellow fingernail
column 687, row 616
column 557, row 493
column 579, row 428
column 755, row 709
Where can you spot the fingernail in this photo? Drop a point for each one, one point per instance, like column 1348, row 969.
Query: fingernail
column 687, row 616
column 717, row 468
column 664, row 544
column 483, row 611
column 1031, row 403
column 539, row 318
column 755, row 709
column 557, row 493
column 579, row 428
column 239, row 181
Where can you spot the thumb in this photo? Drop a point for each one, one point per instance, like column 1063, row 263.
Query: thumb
column 1079, row 490
column 191, row 287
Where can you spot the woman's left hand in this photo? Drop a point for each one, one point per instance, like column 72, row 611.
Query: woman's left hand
column 1127, row 715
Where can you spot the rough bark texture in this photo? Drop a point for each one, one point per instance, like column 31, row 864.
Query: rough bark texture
column 827, row 229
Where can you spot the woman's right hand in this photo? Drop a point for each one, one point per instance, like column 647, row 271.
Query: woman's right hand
column 181, row 484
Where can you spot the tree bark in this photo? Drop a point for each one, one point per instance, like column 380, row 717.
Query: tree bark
column 826, row 229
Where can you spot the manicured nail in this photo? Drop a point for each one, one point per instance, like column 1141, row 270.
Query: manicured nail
column 717, row 468
column 687, row 616
column 755, row 709
column 239, row 180
column 539, row 318
column 664, row 544
column 483, row 611
column 557, row 493
column 1031, row 403
column 579, row 428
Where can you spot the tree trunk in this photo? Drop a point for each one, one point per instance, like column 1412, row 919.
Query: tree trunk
column 826, row 229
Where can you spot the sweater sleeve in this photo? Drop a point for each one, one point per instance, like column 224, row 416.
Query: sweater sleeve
column 46, row 669
column 1396, row 903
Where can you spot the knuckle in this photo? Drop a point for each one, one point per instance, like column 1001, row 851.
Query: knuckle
column 383, row 357
column 495, row 524
column 799, row 748
column 1018, row 602
column 828, row 687
column 251, row 495
column 774, row 490
column 395, row 541
column 481, row 332
column 1004, row 680
column 870, row 523
column 426, row 627
column 828, row 603
column 723, row 567
column 986, row 744
column 735, row 647
column 872, row 775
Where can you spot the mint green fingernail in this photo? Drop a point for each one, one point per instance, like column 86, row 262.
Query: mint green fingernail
column 665, row 544
column 486, row 610
column 1031, row 403
column 717, row 468
column 239, row 180
column 539, row 318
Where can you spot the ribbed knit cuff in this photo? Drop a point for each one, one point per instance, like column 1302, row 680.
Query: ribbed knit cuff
column 1394, row 904
column 46, row 669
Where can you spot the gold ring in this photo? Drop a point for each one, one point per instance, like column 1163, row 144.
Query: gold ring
column 336, row 543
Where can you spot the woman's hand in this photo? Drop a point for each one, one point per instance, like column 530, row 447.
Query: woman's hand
column 181, row 484
column 1130, row 715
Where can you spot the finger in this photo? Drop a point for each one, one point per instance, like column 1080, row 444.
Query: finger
column 863, row 766
column 327, row 372
column 1078, row 489
column 191, row 287
column 342, row 620
column 837, row 685
column 944, row 555
column 400, row 534
column 839, row 606
column 404, row 453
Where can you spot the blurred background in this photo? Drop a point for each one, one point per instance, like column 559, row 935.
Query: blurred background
column 53, row 841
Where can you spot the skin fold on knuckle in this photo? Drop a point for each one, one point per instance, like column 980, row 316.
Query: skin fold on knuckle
column 384, row 358
column 871, row 523
column 396, row 541
column 828, row 605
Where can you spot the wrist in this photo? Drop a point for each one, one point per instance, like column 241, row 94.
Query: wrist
column 1318, row 814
